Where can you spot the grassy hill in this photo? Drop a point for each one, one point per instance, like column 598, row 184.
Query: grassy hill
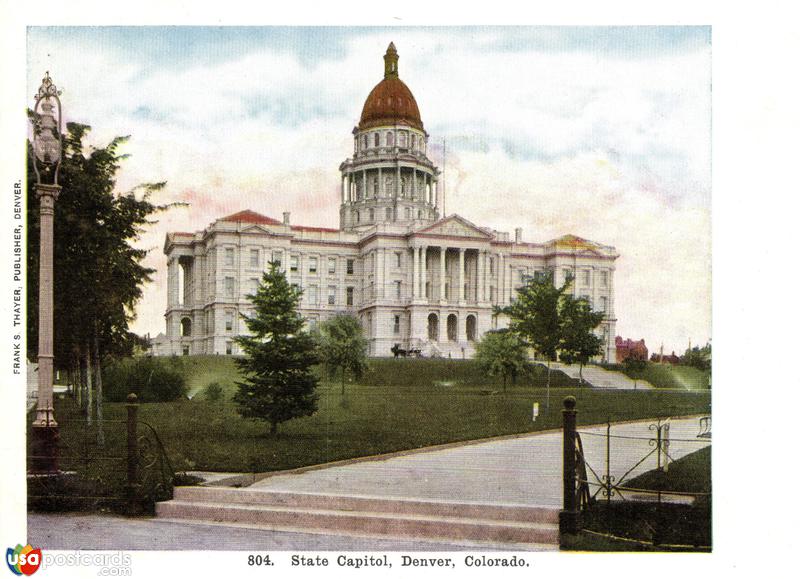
column 200, row 371
column 668, row 376
column 398, row 405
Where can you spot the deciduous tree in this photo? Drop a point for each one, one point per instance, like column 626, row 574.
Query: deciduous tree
column 343, row 346
column 502, row 353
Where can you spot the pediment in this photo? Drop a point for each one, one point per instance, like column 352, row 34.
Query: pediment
column 256, row 228
column 455, row 226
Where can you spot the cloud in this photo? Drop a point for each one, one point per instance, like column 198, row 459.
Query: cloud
column 605, row 134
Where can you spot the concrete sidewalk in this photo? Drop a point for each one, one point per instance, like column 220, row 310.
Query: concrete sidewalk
column 524, row 470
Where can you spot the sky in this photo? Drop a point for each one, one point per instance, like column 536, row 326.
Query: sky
column 601, row 132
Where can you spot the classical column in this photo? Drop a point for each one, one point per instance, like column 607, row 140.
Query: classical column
column 397, row 187
column 442, row 261
column 461, row 296
column 480, row 298
column 379, row 192
column 380, row 273
column 414, row 192
column 363, row 183
column 501, row 286
column 414, row 272
column 343, row 197
column 423, row 269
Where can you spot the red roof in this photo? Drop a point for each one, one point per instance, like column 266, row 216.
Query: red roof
column 248, row 216
column 320, row 229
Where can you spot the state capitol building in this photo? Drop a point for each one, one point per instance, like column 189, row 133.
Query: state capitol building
column 415, row 278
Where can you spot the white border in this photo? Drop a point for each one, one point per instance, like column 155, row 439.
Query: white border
column 755, row 124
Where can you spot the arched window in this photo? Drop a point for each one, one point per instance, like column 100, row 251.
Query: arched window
column 375, row 186
column 389, row 139
column 358, row 217
column 413, row 141
column 186, row 327
column 377, row 139
column 388, row 214
column 452, row 327
column 419, row 214
column 403, row 139
column 433, row 327
column 371, row 214
column 471, row 323
column 364, row 141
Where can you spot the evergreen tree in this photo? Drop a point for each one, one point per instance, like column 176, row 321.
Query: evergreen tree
column 278, row 382
column 502, row 353
column 343, row 346
column 578, row 340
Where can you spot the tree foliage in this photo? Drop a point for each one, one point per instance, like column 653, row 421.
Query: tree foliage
column 343, row 346
column 278, row 382
column 502, row 353
column 698, row 357
column 98, row 274
column 578, row 342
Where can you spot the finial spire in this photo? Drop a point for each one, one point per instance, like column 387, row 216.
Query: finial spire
column 390, row 62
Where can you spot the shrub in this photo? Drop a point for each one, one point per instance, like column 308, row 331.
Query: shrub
column 151, row 379
column 213, row 392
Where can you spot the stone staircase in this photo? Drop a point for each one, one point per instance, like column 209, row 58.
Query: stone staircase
column 602, row 378
column 364, row 516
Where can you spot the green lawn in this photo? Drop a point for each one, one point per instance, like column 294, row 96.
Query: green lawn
column 398, row 405
column 688, row 526
column 668, row 376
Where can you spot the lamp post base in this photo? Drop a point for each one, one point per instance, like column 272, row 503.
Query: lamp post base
column 44, row 450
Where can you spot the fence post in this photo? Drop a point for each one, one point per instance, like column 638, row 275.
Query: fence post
column 132, row 487
column 568, row 518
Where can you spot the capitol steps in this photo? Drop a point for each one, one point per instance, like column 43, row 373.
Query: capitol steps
column 602, row 378
column 365, row 516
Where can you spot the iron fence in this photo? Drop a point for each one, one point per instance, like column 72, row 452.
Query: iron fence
column 622, row 487
column 115, row 464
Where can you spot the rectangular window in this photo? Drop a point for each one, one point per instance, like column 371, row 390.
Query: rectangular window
column 604, row 278
column 254, row 283
column 491, row 266
column 229, row 348
column 568, row 274
column 277, row 258
column 312, row 324
column 398, row 259
column 255, row 258
column 186, row 350
column 228, row 321
column 294, row 263
column 351, row 266
column 312, row 265
column 396, row 324
column 587, row 277
column 312, row 295
column 350, row 294
column 331, row 265
column 228, row 257
column 398, row 289
column 229, row 286
column 603, row 304
column 331, row 295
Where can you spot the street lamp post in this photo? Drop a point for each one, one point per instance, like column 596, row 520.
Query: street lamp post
column 47, row 149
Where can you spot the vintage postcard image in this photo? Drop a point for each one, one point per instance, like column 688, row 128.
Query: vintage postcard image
column 291, row 290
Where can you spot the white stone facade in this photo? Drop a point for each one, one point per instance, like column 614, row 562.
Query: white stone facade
column 413, row 279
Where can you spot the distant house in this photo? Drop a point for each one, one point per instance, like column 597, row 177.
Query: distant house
column 665, row 358
column 627, row 348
